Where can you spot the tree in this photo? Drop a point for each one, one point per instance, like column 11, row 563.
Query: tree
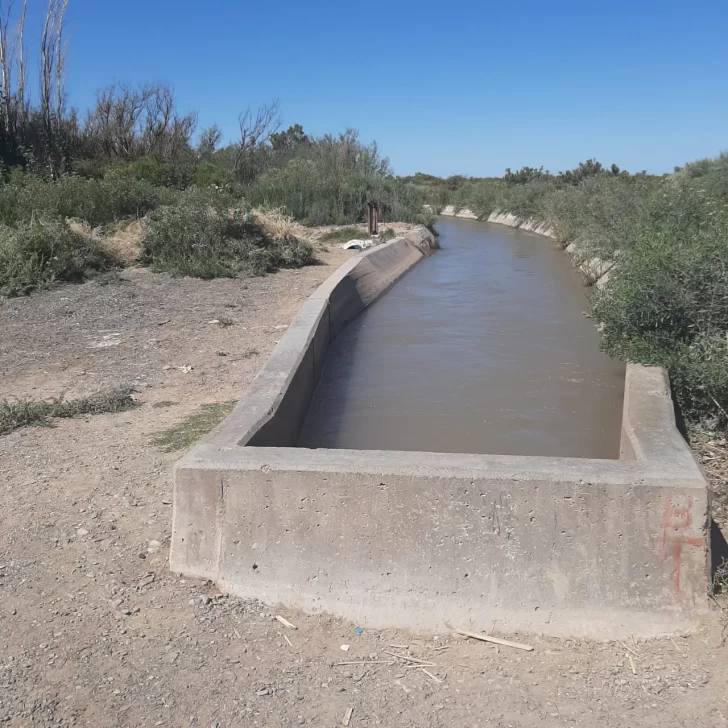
column 289, row 140
column 209, row 139
column 255, row 132
column 525, row 175
column 132, row 122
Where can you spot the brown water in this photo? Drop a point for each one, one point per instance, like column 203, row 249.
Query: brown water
column 482, row 348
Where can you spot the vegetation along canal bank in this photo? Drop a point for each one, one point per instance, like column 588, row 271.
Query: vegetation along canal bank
column 144, row 259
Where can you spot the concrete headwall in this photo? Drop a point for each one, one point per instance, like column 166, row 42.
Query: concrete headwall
column 564, row 546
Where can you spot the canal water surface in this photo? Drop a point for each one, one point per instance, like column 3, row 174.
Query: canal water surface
column 482, row 348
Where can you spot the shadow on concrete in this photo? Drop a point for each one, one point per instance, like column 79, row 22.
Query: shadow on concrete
column 718, row 549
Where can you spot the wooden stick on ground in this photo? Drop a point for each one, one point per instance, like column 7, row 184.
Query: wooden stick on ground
column 347, row 717
column 426, row 663
column 430, row 675
column 285, row 622
column 488, row 638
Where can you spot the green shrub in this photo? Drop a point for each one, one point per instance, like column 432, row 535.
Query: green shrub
column 160, row 173
column 210, row 234
column 90, row 168
column 668, row 302
column 526, row 201
column 94, row 201
column 600, row 214
column 481, row 197
column 210, row 175
column 40, row 253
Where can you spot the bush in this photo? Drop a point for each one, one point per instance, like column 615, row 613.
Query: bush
column 526, row 201
column 160, row 173
column 210, row 234
column 481, row 197
column 210, row 175
column 94, row 201
column 668, row 304
column 40, row 253
column 600, row 214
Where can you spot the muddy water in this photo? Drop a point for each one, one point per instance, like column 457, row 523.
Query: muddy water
column 482, row 348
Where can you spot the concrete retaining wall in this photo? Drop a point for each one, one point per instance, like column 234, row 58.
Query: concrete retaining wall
column 563, row 546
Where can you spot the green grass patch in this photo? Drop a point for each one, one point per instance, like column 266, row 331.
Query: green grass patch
column 190, row 430
column 33, row 412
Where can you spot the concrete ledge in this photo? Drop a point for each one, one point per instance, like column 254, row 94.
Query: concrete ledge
column 564, row 546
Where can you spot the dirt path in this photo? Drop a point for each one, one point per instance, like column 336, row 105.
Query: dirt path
column 94, row 630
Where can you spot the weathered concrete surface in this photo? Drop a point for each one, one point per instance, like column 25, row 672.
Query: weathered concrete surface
column 563, row 546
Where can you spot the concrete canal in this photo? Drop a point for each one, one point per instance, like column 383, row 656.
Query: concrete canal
column 482, row 348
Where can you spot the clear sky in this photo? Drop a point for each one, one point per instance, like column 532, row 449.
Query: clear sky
column 445, row 88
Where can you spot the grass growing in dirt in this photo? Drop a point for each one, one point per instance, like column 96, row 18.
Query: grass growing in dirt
column 188, row 432
column 343, row 235
column 27, row 412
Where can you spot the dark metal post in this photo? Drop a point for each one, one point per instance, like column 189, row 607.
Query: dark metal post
column 373, row 218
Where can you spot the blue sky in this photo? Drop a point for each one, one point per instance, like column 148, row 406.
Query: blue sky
column 459, row 88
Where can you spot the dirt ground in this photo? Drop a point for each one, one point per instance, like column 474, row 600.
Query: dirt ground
column 95, row 630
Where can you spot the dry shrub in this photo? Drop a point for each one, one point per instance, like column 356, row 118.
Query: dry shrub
column 277, row 225
column 122, row 241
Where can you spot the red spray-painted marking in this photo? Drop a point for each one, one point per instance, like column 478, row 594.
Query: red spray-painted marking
column 676, row 518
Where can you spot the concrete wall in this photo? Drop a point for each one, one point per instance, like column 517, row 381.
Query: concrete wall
column 272, row 410
column 563, row 546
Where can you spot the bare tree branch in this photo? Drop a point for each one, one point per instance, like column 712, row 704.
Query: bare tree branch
column 255, row 131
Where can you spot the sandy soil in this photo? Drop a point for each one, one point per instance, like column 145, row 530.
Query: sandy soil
column 94, row 629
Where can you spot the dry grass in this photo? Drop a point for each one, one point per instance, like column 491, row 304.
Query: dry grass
column 278, row 226
column 122, row 241
column 125, row 243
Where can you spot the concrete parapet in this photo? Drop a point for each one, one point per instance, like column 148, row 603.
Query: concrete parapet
column 564, row 546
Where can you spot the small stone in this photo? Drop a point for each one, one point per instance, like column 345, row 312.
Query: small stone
column 82, row 532
column 153, row 547
column 205, row 599
column 262, row 692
